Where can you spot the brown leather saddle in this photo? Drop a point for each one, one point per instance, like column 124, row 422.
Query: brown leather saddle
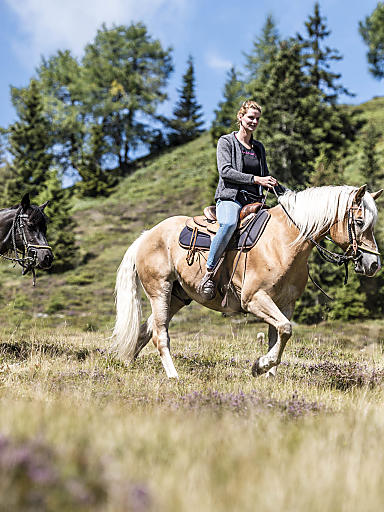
column 209, row 224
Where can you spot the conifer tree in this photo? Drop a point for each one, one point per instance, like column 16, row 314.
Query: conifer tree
column 225, row 114
column 30, row 145
column 258, row 61
column 187, row 116
column 338, row 124
column 225, row 121
column 95, row 182
column 319, row 57
column 289, row 123
column 372, row 32
column 369, row 165
column 61, row 225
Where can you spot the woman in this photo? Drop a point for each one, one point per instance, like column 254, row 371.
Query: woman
column 243, row 172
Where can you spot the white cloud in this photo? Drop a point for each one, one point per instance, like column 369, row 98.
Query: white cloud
column 47, row 25
column 217, row 62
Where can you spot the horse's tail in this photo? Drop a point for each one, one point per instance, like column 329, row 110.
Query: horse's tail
column 128, row 304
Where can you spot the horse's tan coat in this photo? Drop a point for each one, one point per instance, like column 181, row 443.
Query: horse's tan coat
column 269, row 279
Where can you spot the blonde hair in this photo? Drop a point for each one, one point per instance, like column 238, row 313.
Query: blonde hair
column 244, row 107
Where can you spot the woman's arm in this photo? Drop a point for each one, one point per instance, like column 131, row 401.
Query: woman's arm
column 224, row 164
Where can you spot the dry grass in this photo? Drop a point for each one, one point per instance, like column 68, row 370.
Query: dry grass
column 82, row 430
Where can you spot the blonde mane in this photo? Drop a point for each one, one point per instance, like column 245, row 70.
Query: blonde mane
column 314, row 210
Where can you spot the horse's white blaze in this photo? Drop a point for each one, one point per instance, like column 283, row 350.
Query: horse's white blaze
column 128, row 304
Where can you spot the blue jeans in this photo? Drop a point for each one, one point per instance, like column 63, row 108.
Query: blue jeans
column 227, row 213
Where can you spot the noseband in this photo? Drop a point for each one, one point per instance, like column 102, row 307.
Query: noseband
column 355, row 249
column 27, row 256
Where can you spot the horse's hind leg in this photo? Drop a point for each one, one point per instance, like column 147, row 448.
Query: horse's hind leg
column 160, row 322
column 146, row 329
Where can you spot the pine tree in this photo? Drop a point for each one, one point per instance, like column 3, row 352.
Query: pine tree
column 319, row 57
column 373, row 174
column 95, row 182
column 369, row 165
column 326, row 172
column 372, row 32
column 225, row 114
column 187, row 116
column 339, row 125
column 30, row 144
column 289, row 125
column 258, row 61
column 61, row 225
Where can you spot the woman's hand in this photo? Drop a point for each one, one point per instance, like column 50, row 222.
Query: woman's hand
column 265, row 181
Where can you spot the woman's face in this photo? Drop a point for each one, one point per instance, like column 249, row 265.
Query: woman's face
column 250, row 119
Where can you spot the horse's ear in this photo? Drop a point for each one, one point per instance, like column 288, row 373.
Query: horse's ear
column 360, row 194
column 25, row 202
column 42, row 206
column 377, row 194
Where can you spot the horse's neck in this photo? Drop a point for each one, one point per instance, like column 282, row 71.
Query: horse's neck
column 288, row 232
column 6, row 219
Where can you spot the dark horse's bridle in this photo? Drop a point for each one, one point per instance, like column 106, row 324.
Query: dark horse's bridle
column 27, row 256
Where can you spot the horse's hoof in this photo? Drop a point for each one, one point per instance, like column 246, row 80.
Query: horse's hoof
column 256, row 370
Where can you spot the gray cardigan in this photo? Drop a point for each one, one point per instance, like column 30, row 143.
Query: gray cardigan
column 230, row 167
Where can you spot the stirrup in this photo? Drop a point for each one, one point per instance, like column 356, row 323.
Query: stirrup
column 207, row 287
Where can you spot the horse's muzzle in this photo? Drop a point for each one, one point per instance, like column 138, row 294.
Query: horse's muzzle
column 45, row 260
column 367, row 265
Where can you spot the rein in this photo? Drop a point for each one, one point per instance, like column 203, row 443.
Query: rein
column 28, row 258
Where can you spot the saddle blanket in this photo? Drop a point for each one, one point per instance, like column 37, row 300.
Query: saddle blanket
column 192, row 238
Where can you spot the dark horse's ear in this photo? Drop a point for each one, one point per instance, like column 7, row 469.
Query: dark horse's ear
column 360, row 194
column 25, row 202
column 42, row 206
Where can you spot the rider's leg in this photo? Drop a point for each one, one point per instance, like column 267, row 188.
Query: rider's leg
column 228, row 215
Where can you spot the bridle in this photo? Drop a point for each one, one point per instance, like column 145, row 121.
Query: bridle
column 354, row 251
column 27, row 256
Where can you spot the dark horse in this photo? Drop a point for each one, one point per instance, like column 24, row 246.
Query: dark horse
column 23, row 230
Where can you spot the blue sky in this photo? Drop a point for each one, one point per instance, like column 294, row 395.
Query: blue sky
column 215, row 33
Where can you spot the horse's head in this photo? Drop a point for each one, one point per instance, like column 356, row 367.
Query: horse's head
column 31, row 234
column 355, row 235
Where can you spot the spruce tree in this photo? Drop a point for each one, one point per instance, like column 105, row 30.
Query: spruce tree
column 30, row 144
column 289, row 126
column 94, row 180
column 371, row 168
column 225, row 114
column 187, row 116
column 372, row 32
column 338, row 124
column 369, row 164
column 258, row 61
column 61, row 225
column 319, row 57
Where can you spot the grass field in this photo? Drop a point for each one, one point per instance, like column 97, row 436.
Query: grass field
column 81, row 430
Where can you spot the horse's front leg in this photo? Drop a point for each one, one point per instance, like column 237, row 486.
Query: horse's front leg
column 263, row 307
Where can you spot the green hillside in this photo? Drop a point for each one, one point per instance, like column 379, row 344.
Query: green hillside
column 174, row 183
column 171, row 184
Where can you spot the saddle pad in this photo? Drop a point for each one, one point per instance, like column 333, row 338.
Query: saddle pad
column 192, row 238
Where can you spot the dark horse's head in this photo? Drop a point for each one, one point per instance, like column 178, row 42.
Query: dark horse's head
column 29, row 234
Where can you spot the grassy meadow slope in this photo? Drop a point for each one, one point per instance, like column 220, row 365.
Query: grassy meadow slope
column 81, row 430
column 172, row 184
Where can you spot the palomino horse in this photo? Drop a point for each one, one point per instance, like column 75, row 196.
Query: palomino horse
column 23, row 231
column 268, row 279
